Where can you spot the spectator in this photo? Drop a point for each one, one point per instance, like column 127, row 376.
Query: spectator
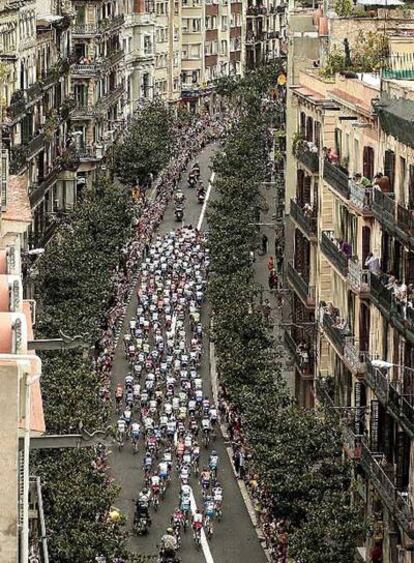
column 382, row 182
column 372, row 263
column 265, row 241
column 365, row 182
column 270, row 264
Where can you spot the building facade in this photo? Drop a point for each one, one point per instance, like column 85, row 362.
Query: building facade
column 348, row 270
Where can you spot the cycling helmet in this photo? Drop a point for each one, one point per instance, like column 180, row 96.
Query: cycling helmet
column 214, row 452
column 170, row 531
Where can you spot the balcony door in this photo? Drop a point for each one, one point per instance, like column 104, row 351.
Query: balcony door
column 389, row 167
column 368, row 162
column 364, row 327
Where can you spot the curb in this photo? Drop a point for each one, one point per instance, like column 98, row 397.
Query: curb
column 242, row 486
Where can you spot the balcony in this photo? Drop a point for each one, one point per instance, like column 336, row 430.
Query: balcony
column 359, row 279
column 307, row 224
column 254, row 11
column 397, row 312
column 331, row 250
column 360, row 198
column 308, row 158
column 354, row 358
column 92, row 29
column 96, row 67
column 335, row 329
column 301, row 286
column 36, row 144
column 351, row 441
column 38, row 189
column 383, row 207
column 337, row 179
column 302, row 359
column 383, row 478
column 391, row 395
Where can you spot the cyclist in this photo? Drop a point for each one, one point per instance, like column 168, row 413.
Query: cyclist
column 205, row 479
column 147, row 463
column 197, row 523
column 121, row 431
column 218, row 497
column 135, row 433
column 213, row 463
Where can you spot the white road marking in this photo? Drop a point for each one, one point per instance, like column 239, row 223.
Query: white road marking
column 204, row 543
column 203, row 209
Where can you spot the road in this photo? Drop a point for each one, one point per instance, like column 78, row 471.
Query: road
column 234, row 537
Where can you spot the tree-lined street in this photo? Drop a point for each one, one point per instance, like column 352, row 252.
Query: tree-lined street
column 227, row 545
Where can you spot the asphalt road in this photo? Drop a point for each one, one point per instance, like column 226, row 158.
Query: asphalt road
column 234, row 538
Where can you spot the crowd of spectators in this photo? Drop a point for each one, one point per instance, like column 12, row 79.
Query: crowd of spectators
column 274, row 529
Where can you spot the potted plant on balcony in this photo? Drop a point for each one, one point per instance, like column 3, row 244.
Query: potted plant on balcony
column 298, row 143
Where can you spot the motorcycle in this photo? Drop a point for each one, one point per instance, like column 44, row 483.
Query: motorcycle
column 141, row 526
column 201, row 197
column 179, row 213
column 196, row 171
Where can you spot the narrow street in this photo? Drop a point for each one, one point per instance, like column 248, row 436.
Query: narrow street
column 234, row 537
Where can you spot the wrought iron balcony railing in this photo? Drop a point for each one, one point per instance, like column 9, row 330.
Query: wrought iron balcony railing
column 336, row 178
column 359, row 279
column 334, row 333
column 301, row 286
column 397, row 501
column 305, row 365
column 307, row 224
column 335, row 256
column 309, row 159
column 391, row 395
column 360, row 197
column 91, row 29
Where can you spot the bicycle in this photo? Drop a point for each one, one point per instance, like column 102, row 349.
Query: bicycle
column 197, row 537
column 208, row 524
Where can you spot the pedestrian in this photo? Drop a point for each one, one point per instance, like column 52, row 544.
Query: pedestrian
column 236, row 461
column 273, row 279
column 265, row 241
column 242, row 464
column 270, row 264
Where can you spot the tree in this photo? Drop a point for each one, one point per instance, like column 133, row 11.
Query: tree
column 147, row 146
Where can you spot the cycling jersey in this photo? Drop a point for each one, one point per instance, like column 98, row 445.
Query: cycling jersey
column 213, row 461
column 205, row 423
column 155, row 481
column 163, row 469
column 209, row 508
column 135, row 429
column 121, row 426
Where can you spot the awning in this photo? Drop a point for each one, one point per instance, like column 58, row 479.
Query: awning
column 397, row 117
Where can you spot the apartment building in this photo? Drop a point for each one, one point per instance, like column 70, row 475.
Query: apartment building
column 349, row 263
column 21, row 413
column 138, row 41
column 265, row 31
column 212, row 46
column 97, row 82
column 35, row 84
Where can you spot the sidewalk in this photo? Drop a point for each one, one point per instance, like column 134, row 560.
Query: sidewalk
column 261, row 278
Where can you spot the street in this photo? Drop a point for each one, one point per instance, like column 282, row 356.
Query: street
column 234, row 537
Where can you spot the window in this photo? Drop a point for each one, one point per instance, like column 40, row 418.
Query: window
column 402, row 175
column 389, row 167
column 195, row 51
column 368, row 163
